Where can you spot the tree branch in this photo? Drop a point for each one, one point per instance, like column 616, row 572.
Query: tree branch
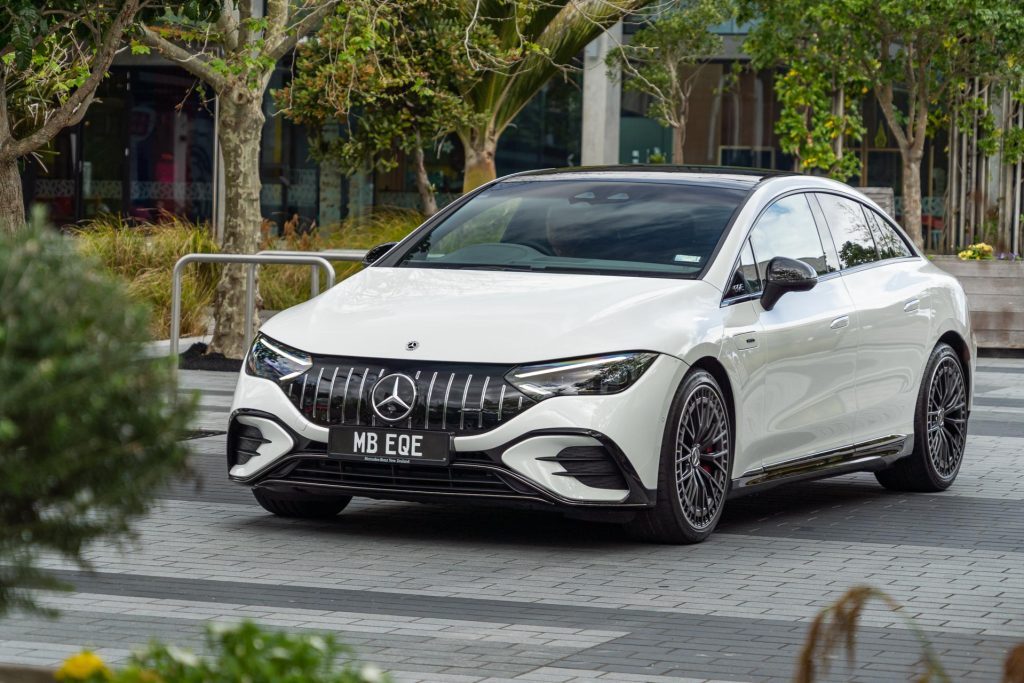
column 74, row 108
column 302, row 28
column 227, row 24
column 193, row 63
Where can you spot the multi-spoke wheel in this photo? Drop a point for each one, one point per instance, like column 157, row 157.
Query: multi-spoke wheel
column 940, row 428
column 695, row 471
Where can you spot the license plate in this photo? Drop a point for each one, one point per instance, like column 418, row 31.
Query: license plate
column 389, row 446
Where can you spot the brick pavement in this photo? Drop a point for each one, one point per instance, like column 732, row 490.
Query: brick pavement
column 464, row 594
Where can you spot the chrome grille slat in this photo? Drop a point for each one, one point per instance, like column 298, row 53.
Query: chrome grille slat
column 442, row 403
column 344, row 396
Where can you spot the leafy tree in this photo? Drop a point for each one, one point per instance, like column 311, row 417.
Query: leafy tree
column 664, row 59
column 89, row 427
column 533, row 40
column 233, row 50
column 392, row 73
column 53, row 55
column 923, row 48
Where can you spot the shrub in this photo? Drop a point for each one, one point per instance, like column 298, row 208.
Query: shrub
column 88, row 428
column 285, row 286
column 144, row 257
column 238, row 653
column 976, row 252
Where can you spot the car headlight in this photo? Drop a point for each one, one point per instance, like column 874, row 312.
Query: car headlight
column 581, row 376
column 274, row 361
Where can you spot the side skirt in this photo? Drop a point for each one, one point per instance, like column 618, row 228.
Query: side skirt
column 868, row 456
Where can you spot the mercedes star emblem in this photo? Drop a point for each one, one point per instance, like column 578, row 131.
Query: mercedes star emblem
column 412, row 346
column 393, row 397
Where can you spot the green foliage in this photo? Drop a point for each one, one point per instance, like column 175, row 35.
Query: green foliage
column 143, row 257
column 89, row 428
column 243, row 652
column 285, row 286
column 663, row 58
column 391, row 73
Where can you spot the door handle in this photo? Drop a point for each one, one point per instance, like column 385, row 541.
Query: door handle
column 745, row 340
column 911, row 305
column 840, row 322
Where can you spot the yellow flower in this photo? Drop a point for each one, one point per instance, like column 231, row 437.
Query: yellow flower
column 81, row 667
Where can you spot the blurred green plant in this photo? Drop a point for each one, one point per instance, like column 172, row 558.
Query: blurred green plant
column 242, row 652
column 89, row 428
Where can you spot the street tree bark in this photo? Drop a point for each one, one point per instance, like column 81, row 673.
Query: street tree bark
column 428, row 202
column 102, row 47
column 910, row 137
column 237, row 67
column 480, row 148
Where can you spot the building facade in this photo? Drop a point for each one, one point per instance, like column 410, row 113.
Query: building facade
column 146, row 147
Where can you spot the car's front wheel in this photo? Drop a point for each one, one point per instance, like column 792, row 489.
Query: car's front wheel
column 940, row 428
column 312, row 508
column 696, row 465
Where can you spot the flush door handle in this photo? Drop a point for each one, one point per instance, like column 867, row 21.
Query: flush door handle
column 746, row 340
column 911, row 306
column 840, row 322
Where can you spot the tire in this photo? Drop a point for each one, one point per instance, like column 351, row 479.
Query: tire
column 940, row 428
column 694, row 474
column 316, row 508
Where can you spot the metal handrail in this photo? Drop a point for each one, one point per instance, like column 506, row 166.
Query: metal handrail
column 251, row 260
column 329, row 254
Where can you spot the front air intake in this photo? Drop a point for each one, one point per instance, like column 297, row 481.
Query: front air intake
column 590, row 465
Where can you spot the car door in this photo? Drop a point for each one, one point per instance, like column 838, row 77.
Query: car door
column 883, row 277
column 807, row 342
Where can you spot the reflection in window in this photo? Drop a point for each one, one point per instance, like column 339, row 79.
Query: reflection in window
column 890, row 244
column 787, row 229
column 850, row 230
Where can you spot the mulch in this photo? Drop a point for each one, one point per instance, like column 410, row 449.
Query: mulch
column 196, row 358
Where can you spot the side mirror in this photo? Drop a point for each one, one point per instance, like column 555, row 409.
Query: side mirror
column 786, row 275
column 375, row 253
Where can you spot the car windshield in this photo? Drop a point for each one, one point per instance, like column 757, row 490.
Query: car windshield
column 611, row 227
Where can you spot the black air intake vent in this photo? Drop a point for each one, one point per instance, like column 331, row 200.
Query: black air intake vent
column 590, row 465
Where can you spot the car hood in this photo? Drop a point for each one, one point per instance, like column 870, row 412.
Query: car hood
column 496, row 317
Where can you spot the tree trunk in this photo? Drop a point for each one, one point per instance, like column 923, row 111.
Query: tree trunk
column 428, row 202
column 241, row 123
column 678, row 138
column 912, row 197
column 479, row 160
column 12, row 204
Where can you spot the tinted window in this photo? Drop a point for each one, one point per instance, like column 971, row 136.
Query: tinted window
column 890, row 244
column 593, row 226
column 850, row 230
column 787, row 229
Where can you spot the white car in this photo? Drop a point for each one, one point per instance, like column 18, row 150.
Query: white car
column 637, row 343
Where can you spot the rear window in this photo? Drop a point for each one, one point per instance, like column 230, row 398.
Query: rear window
column 643, row 228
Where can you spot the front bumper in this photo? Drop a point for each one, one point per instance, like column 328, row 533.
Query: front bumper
column 511, row 462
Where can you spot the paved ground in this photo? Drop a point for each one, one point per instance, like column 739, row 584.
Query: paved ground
column 468, row 594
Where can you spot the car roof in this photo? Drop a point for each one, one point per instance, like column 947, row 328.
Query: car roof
column 723, row 176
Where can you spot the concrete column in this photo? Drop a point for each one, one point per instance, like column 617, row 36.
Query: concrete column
column 602, row 101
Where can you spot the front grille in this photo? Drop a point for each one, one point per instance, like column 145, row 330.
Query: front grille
column 409, row 478
column 462, row 399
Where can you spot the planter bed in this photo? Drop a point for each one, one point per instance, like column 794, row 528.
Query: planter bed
column 995, row 293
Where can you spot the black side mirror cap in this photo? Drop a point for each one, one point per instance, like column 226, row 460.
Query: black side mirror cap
column 374, row 254
column 786, row 275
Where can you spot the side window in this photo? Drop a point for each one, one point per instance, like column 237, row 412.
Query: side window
column 850, row 230
column 745, row 280
column 890, row 244
column 787, row 228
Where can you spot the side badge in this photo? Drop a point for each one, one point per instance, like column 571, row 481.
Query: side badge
column 412, row 345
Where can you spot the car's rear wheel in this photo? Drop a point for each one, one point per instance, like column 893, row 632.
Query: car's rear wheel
column 696, row 466
column 940, row 428
column 312, row 508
